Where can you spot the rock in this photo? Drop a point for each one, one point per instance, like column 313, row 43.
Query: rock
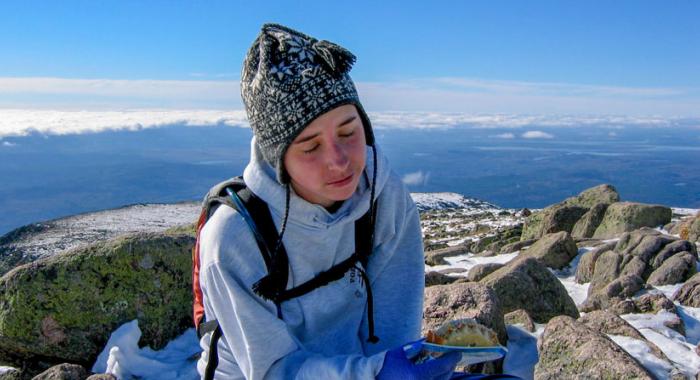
column 625, row 306
column 607, row 269
column 628, row 216
column 482, row 270
column 437, row 257
column 678, row 268
column 517, row 246
column 64, row 371
column 633, row 265
column 689, row 293
column 101, row 376
column 525, row 212
column 466, row 300
column 589, row 198
column 491, row 245
column 11, row 374
column 671, row 249
column 526, row 284
column 553, row 250
column 570, row 350
column 653, row 303
column 694, row 230
column 520, row 317
column 435, row 278
column 586, row 265
column 589, row 222
column 608, row 323
column 64, row 308
column 613, row 293
column 552, row 219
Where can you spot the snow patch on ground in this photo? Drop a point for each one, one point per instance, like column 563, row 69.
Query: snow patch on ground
column 436, row 201
column 123, row 358
column 469, row 261
column 641, row 351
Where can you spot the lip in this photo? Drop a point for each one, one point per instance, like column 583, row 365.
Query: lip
column 341, row 182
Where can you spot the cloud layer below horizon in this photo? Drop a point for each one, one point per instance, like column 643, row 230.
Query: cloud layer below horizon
column 22, row 122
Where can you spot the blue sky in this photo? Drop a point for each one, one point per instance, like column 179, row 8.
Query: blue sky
column 542, row 57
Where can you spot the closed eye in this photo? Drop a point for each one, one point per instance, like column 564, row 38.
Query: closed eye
column 309, row 151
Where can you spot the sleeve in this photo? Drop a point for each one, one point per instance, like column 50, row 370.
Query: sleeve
column 260, row 343
column 397, row 276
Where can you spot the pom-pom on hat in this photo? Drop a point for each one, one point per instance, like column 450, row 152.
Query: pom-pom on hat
column 288, row 80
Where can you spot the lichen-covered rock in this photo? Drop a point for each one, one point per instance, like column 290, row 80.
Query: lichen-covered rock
column 552, row 219
column 436, row 278
column 589, row 198
column 102, row 376
column 64, row 308
column 525, row 283
column 677, row 268
column 553, row 250
column 586, row 265
column 689, row 293
column 606, row 322
column 65, row 371
column 437, row 257
column 628, row 216
column 671, row 249
column 479, row 271
column 613, row 293
column 589, row 222
column 694, row 230
column 491, row 245
column 607, row 269
column 517, row 246
column 444, row 303
column 570, row 350
column 520, row 317
column 653, row 303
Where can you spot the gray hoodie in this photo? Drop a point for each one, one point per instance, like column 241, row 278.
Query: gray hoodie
column 323, row 334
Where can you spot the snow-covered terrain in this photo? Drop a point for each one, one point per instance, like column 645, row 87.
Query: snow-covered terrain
column 441, row 201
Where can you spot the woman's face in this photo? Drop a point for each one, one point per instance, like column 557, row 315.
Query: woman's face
column 326, row 160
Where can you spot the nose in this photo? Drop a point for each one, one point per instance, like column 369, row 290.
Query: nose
column 337, row 157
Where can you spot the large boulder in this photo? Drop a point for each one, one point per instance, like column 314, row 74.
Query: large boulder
column 437, row 256
column 671, row 249
column 463, row 300
column 606, row 322
column 525, row 283
column 491, row 245
column 589, row 222
column 607, row 269
column 64, row 308
column 628, row 216
column 520, row 317
column 552, row 219
column 689, row 293
column 613, row 293
column 565, row 215
column 570, row 350
column 589, row 198
column 479, row 271
column 677, row 268
column 694, row 230
column 436, row 278
column 586, row 265
column 553, row 250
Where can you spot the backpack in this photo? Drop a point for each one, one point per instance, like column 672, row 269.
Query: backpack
column 235, row 194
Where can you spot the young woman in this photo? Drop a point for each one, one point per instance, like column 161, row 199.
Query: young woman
column 350, row 300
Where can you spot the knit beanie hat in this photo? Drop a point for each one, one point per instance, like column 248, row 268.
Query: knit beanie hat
column 288, row 80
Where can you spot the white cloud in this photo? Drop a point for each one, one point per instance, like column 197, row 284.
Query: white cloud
column 505, row 136
column 8, row 144
column 417, row 178
column 537, row 135
column 612, row 134
column 22, row 122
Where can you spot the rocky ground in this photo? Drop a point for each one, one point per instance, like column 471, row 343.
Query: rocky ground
column 586, row 288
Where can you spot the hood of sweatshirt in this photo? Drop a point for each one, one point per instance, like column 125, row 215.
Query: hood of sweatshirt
column 261, row 178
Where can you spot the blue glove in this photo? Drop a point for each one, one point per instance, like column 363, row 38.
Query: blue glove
column 398, row 367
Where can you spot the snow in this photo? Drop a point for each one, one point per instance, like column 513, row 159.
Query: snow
column 641, row 351
column 123, row 358
column 433, row 201
column 567, row 275
column 469, row 261
column 4, row 370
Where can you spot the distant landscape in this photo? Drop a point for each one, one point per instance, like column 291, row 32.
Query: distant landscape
column 49, row 176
